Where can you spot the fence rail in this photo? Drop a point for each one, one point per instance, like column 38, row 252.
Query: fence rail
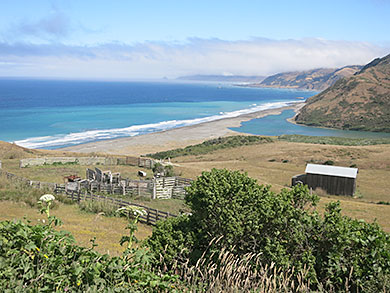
column 131, row 161
column 151, row 217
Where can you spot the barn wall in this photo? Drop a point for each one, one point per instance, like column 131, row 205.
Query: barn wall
column 332, row 184
column 298, row 179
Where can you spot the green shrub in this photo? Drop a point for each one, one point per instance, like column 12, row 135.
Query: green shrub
column 230, row 211
column 212, row 145
column 19, row 191
column 98, row 206
column 172, row 241
column 37, row 258
column 166, row 170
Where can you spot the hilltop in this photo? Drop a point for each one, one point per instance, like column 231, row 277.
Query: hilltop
column 315, row 79
column 9, row 151
column 360, row 102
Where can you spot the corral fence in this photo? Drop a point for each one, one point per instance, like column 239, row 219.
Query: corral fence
column 150, row 218
column 88, row 161
column 170, row 187
column 157, row 188
column 32, row 183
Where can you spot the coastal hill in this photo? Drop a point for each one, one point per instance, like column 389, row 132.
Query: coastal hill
column 315, row 79
column 223, row 78
column 360, row 102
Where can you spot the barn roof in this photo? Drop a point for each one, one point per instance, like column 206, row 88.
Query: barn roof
column 331, row 170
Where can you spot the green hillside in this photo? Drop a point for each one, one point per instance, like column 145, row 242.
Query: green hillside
column 360, row 102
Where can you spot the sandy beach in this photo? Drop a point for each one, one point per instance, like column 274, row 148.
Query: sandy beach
column 173, row 138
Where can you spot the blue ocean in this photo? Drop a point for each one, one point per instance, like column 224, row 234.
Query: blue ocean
column 52, row 114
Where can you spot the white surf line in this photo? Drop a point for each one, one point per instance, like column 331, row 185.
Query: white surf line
column 94, row 135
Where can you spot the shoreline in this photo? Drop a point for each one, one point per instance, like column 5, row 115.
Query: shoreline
column 173, row 138
column 296, row 110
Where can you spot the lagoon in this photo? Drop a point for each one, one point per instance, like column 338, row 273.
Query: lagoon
column 275, row 125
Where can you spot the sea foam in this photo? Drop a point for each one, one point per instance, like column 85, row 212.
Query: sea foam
column 62, row 140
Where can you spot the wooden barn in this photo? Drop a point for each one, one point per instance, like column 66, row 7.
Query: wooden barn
column 333, row 179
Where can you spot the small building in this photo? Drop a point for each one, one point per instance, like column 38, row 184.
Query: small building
column 333, row 179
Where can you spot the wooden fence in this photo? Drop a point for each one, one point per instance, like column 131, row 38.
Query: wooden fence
column 151, row 217
column 131, row 161
column 32, row 183
column 160, row 188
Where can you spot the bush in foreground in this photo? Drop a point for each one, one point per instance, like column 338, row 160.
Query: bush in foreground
column 231, row 212
column 38, row 258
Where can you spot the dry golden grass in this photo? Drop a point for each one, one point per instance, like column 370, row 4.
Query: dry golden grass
column 273, row 163
column 243, row 273
column 12, row 151
column 277, row 162
column 84, row 226
column 369, row 212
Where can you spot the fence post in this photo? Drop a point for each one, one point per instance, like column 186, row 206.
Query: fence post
column 154, row 195
column 156, row 216
column 148, row 216
column 79, row 196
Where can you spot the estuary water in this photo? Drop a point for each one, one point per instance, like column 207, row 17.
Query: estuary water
column 278, row 125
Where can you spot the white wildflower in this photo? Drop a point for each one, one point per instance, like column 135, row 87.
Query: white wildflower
column 136, row 211
column 47, row 198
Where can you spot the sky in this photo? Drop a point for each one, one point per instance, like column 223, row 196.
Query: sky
column 129, row 39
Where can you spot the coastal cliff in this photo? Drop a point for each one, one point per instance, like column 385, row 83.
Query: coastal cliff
column 360, row 102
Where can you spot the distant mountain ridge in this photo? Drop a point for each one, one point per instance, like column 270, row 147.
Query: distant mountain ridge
column 315, row 79
column 360, row 102
column 223, row 78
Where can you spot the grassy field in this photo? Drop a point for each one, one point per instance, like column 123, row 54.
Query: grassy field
column 331, row 140
column 84, row 226
column 270, row 163
column 361, row 210
column 275, row 163
column 55, row 174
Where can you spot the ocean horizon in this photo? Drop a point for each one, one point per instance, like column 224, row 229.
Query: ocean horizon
column 52, row 114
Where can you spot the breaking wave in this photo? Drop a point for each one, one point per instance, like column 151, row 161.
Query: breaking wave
column 62, row 140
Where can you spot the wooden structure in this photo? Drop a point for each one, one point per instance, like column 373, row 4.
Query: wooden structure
column 75, row 194
column 150, row 217
column 333, row 179
column 89, row 161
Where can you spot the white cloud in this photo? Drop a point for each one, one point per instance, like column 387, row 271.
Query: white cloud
column 195, row 56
